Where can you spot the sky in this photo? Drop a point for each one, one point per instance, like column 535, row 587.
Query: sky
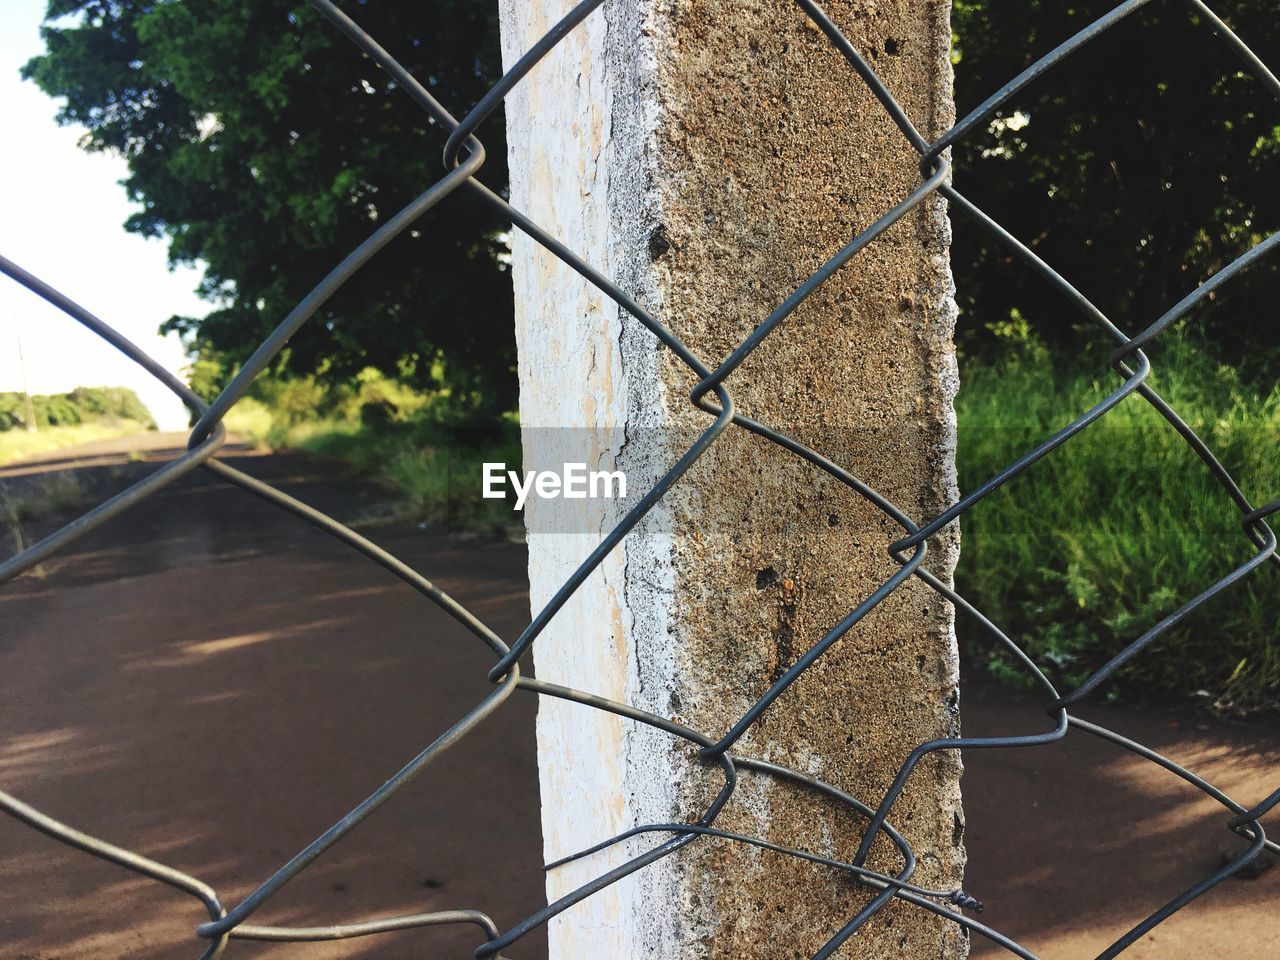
column 61, row 218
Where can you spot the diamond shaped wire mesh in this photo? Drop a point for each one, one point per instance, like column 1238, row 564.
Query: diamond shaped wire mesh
column 464, row 157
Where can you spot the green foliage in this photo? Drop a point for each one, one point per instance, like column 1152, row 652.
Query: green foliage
column 259, row 143
column 433, row 470
column 279, row 408
column 1139, row 167
column 422, row 447
column 263, row 145
column 83, row 405
column 1123, row 524
column 21, row 445
column 51, row 494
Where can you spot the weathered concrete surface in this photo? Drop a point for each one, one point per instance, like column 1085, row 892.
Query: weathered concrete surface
column 708, row 155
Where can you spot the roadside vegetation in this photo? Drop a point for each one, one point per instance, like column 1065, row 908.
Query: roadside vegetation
column 419, row 446
column 20, row 445
column 54, row 494
column 1089, row 166
column 67, row 419
column 1122, row 525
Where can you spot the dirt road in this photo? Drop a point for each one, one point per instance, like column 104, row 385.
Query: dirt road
column 213, row 683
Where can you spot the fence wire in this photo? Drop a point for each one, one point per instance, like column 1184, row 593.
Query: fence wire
column 464, row 155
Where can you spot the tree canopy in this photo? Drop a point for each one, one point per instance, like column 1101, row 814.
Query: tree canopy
column 262, row 143
column 1138, row 168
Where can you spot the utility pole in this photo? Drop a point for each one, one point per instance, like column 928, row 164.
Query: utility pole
column 26, row 390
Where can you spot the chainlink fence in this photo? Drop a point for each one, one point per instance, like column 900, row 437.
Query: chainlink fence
column 464, row 156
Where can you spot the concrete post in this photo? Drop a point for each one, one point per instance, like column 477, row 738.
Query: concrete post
column 708, row 155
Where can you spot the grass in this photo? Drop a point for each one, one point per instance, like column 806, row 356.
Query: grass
column 403, row 438
column 1122, row 525
column 38, row 497
column 251, row 420
column 48, row 495
column 431, row 470
column 434, row 475
column 18, row 444
column 1073, row 559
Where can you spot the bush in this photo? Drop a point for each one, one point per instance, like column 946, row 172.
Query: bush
column 251, row 420
column 423, row 447
column 83, row 405
column 1122, row 525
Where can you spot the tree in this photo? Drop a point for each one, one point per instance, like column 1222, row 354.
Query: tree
column 81, row 405
column 264, row 145
column 1138, row 168
column 261, row 144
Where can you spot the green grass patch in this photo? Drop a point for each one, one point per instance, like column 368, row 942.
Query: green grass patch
column 410, row 443
column 22, row 445
column 432, row 472
column 46, row 495
column 251, row 421
column 1122, row 525
column 40, row 496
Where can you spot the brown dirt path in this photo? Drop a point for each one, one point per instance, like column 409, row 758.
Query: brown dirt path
column 213, row 683
column 1072, row 844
